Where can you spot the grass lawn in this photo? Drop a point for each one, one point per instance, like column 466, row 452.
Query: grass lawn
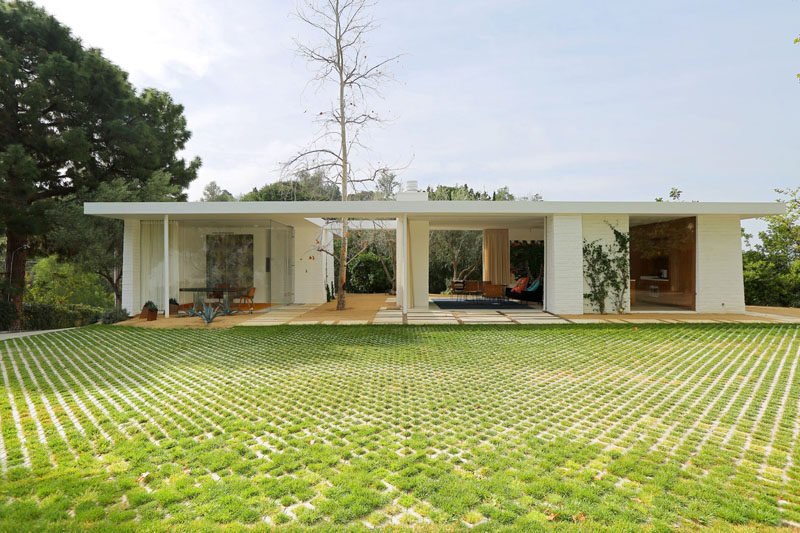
column 489, row 427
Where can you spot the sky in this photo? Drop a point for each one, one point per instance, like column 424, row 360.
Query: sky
column 574, row 100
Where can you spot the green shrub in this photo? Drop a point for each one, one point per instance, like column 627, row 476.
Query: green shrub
column 771, row 283
column 61, row 282
column 8, row 313
column 366, row 275
column 51, row 316
column 208, row 313
column 112, row 315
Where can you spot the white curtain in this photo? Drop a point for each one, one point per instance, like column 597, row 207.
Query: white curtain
column 152, row 261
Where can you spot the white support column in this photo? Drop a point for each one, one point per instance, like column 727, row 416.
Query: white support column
column 130, row 266
column 545, row 272
column 405, row 261
column 719, row 284
column 564, row 270
column 166, row 266
column 418, row 244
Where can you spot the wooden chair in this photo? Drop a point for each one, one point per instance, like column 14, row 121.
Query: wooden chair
column 493, row 291
column 474, row 287
column 247, row 297
column 457, row 287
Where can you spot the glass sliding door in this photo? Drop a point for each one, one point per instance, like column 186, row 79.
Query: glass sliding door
column 281, row 263
column 222, row 253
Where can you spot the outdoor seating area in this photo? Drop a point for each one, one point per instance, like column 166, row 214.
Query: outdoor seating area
column 222, row 295
column 478, row 290
column 209, row 303
column 525, row 290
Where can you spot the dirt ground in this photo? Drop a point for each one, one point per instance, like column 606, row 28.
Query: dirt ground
column 359, row 307
column 792, row 312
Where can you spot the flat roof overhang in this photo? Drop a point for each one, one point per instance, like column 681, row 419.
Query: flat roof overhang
column 440, row 213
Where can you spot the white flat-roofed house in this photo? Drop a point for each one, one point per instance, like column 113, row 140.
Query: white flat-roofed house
column 684, row 255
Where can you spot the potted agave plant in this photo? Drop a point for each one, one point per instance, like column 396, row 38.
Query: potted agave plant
column 150, row 310
column 173, row 307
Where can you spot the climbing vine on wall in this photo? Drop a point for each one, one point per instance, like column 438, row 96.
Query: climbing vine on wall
column 606, row 268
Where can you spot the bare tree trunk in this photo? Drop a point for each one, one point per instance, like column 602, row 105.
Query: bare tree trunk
column 341, row 296
column 16, row 257
column 114, row 281
column 342, row 61
column 390, row 277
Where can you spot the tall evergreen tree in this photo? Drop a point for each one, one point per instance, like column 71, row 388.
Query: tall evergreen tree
column 69, row 121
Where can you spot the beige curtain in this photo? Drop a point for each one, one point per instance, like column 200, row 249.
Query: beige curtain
column 496, row 256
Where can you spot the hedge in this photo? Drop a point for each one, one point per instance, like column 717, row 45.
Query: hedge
column 113, row 315
column 51, row 316
column 8, row 313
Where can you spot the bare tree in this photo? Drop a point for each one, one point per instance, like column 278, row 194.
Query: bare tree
column 340, row 60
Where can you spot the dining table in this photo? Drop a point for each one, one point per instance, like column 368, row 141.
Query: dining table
column 198, row 294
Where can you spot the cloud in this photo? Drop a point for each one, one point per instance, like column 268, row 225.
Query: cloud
column 158, row 43
column 594, row 102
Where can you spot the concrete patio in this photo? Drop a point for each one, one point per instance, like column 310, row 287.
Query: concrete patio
column 382, row 309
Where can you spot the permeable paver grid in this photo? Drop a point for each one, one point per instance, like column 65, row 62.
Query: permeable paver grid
column 614, row 426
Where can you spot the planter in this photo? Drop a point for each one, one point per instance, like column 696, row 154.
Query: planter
column 173, row 310
column 149, row 315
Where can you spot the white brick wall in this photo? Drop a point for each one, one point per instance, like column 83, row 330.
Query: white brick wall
column 564, row 264
column 400, row 250
column 720, row 286
column 130, row 266
column 309, row 274
column 596, row 227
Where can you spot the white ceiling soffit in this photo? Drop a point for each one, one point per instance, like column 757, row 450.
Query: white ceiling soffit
column 433, row 210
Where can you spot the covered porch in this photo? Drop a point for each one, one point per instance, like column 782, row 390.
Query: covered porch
column 507, row 241
column 275, row 247
column 246, row 263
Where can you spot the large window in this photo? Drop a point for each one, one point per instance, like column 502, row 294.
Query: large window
column 229, row 260
column 663, row 264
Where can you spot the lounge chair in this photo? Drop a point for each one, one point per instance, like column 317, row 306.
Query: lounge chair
column 532, row 293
